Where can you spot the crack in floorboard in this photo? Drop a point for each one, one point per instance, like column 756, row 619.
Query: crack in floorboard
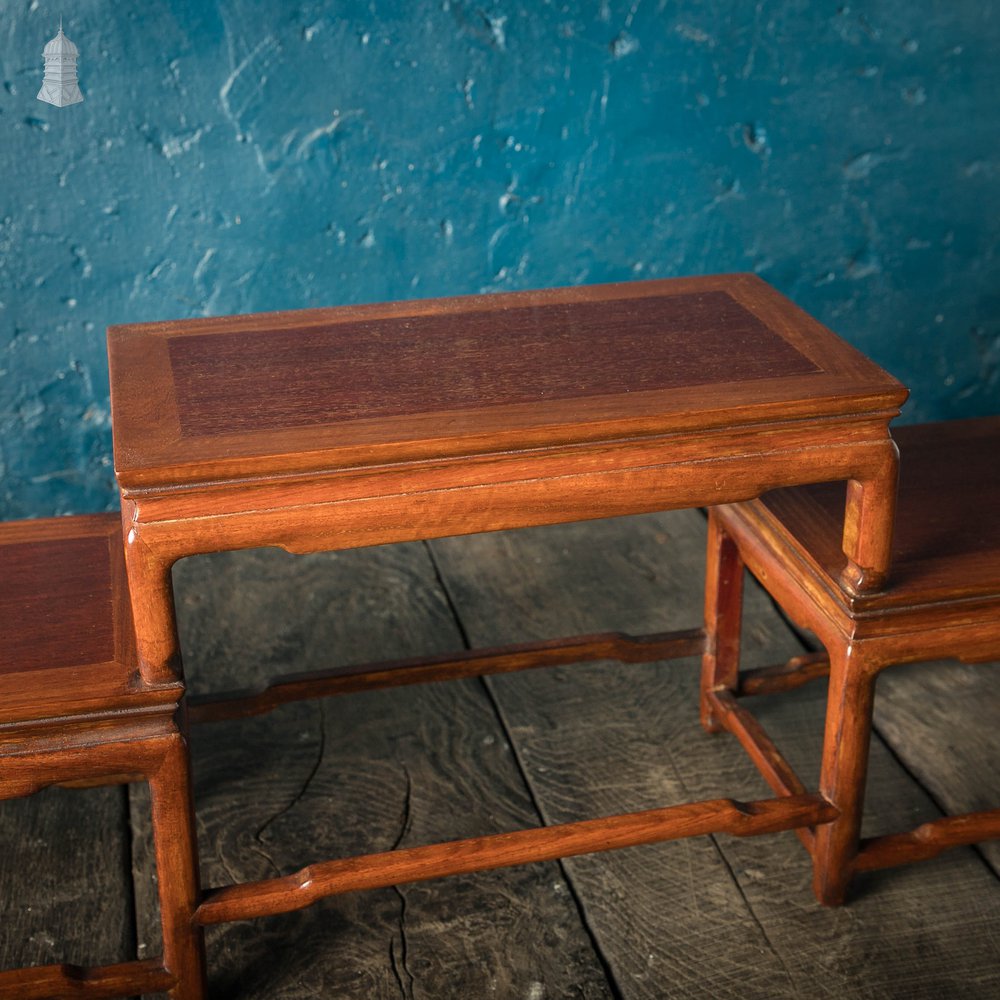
column 602, row 960
column 321, row 749
column 400, row 964
column 753, row 914
column 449, row 600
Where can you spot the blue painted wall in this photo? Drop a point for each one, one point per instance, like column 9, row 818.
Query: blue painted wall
column 255, row 154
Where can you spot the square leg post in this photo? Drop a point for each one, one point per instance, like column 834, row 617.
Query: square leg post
column 869, row 518
column 846, row 743
column 178, row 883
column 720, row 663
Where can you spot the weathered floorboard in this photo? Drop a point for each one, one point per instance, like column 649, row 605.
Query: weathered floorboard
column 627, row 737
column 63, row 887
column 363, row 773
column 599, row 738
column 709, row 917
column 943, row 721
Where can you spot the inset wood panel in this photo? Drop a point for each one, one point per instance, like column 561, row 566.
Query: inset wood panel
column 56, row 604
column 67, row 642
column 232, row 382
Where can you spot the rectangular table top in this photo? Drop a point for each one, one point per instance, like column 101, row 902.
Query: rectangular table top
column 245, row 397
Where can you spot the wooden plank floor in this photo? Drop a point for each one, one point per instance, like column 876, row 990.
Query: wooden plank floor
column 712, row 917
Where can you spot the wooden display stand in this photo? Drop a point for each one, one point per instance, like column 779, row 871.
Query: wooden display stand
column 74, row 711
column 337, row 428
column 944, row 603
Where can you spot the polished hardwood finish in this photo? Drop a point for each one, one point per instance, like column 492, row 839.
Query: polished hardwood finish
column 450, row 666
column 66, row 622
column 441, row 762
column 373, row 366
column 501, row 850
column 336, row 428
column 322, row 390
column 596, row 738
column 74, row 711
column 48, row 981
column 943, row 603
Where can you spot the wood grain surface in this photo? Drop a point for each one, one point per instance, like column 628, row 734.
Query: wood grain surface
column 65, row 622
column 52, row 590
column 947, row 539
column 706, row 918
column 527, row 354
column 629, row 736
column 944, row 602
column 367, row 772
column 322, row 389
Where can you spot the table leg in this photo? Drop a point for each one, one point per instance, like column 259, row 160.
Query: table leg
column 868, row 523
column 846, row 744
column 720, row 662
column 177, row 871
column 151, row 594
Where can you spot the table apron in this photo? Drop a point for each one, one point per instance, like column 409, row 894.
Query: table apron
column 322, row 521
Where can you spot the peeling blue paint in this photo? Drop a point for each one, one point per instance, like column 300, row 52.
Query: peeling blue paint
column 246, row 155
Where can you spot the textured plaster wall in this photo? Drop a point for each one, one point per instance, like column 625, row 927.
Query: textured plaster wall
column 256, row 154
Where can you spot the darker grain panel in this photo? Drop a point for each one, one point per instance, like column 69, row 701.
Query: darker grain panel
column 237, row 382
column 56, row 604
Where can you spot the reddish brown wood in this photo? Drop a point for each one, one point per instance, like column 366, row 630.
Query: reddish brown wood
column 83, row 751
column 846, row 741
column 871, row 504
column 43, row 982
column 720, row 663
column 64, row 581
column 337, row 428
column 945, row 543
column 178, row 880
column 293, row 892
column 928, row 840
column 473, row 663
column 943, row 603
column 68, row 642
column 319, row 374
column 797, row 671
column 762, row 750
column 775, row 770
column 516, row 363
column 74, row 711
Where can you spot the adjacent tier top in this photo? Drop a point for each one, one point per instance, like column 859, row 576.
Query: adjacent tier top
column 68, row 643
